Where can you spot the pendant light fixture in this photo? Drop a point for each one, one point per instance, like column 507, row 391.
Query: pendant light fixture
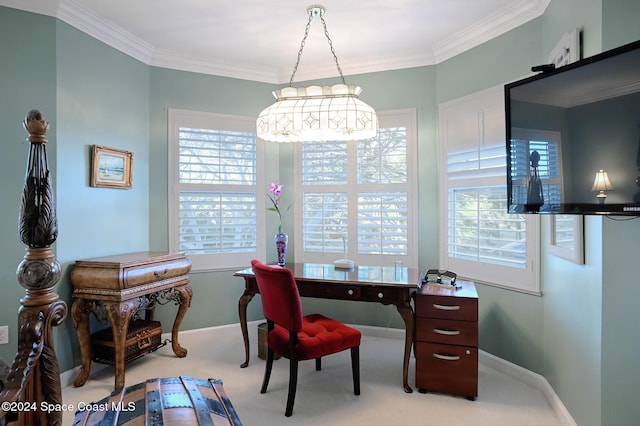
column 314, row 113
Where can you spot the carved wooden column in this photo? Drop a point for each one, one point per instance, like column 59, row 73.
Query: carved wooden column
column 35, row 373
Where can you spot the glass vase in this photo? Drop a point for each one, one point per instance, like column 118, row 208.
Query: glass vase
column 281, row 247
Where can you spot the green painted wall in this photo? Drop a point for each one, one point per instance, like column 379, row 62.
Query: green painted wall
column 27, row 81
column 580, row 334
column 620, row 248
column 91, row 94
column 102, row 99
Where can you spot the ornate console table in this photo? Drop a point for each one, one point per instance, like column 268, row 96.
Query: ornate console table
column 116, row 288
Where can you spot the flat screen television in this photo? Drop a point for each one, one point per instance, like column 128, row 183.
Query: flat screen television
column 573, row 137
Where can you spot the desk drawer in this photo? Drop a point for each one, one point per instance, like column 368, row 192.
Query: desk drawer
column 386, row 295
column 446, row 307
column 330, row 291
column 447, row 331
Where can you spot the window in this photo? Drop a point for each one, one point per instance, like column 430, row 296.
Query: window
column 362, row 190
column 479, row 239
column 214, row 164
column 545, row 145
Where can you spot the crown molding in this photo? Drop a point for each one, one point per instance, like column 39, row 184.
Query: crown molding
column 78, row 17
column 281, row 76
column 420, row 59
column 172, row 60
column 74, row 14
column 489, row 28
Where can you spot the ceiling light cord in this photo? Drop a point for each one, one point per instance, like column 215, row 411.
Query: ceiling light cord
column 316, row 11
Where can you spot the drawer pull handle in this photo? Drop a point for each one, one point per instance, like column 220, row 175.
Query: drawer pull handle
column 158, row 274
column 446, row 307
column 350, row 292
column 446, row 357
column 446, row 332
column 380, row 295
column 143, row 344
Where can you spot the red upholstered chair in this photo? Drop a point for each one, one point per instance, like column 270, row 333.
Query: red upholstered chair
column 298, row 337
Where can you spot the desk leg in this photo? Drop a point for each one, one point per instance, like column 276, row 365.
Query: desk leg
column 407, row 315
column 119, row 314
column 185, row 293
column 80, row 315
column 242, row 311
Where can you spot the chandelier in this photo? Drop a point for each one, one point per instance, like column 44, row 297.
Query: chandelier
column 314, row 113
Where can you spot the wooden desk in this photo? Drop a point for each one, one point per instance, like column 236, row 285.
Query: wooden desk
column 378, row 284
column 115, row 288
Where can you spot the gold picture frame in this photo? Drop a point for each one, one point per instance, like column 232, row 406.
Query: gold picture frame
column 111, row 168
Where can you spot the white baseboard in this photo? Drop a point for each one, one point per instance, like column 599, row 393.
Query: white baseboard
column 532, row 379
column 512, row 370
column 521, row 374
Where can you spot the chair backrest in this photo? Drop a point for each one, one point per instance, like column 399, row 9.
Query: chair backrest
column 279, row 293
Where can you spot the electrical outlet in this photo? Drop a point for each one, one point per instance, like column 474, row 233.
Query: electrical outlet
column 4, row 334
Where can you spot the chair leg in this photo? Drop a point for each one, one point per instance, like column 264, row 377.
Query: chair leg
column 355, row 367
column 318, row 364
column 267, row 371
column 293, row 383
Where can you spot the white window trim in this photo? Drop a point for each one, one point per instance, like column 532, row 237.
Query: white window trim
column 574, row 253
column 212, row 262
column 496, row 275
column 388, row 118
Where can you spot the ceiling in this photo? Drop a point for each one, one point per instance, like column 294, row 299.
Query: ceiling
column 260, row 40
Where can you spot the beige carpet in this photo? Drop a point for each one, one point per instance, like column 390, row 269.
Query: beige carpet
column 326, row 397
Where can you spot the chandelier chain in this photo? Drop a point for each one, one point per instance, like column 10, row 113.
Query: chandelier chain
column 302, row 43
column 333, row 52
column 306, row 33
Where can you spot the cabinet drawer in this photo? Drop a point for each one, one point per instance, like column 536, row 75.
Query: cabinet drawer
column 145, row 274
column 446, row 307
column 447, row 369
column 330, row 291
column 447, row 331
column 129, row 270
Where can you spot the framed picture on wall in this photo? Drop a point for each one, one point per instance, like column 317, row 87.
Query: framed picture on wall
column 111, row 168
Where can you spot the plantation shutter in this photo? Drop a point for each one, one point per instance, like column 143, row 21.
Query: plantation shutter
column 212, row 219
column 214, row 206
column 480, row 239
column 359, row 190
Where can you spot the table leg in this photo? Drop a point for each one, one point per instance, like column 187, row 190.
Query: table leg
column 242, row 311
column 186, row 294
column 119, row 314
column 80, row 315
column 407, row 315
